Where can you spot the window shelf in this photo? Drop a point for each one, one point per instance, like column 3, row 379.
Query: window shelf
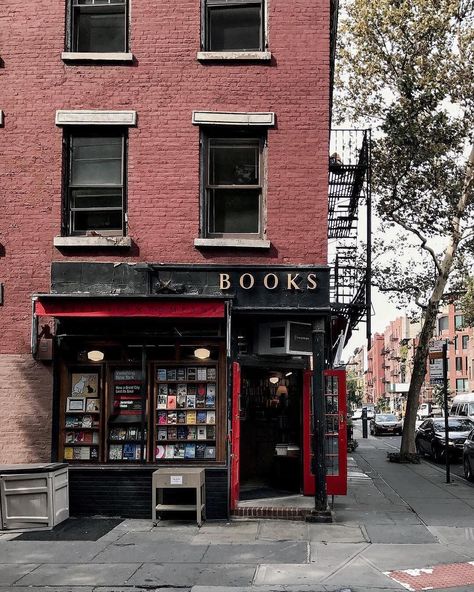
column 122, row 242
column 90, row 56
column 240, row 243
column 218, row 56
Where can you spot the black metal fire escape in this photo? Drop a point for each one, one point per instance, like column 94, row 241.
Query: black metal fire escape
column 349, row 225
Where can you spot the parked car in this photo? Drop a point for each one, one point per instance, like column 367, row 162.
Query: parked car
column 426, row 410
column 429, row 437
column 385, row 423
column 468, row 457
column 463, row 405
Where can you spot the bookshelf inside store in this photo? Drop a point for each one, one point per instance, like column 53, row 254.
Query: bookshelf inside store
column 126, row 421
column 81, row 433
column 185, row 411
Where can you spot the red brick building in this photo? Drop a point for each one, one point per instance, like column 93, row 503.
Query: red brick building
column 164, row 183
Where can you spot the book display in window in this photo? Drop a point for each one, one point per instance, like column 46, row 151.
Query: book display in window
column 185, row 412
column 82, row 408
column 125, row 420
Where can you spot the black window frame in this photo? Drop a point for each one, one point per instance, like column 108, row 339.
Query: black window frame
column 74, row 9
column 458, row 364
column 68, row 209
column 228, row 136
column 208, row 5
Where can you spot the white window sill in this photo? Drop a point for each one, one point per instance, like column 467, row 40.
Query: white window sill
column 240, row 243
column 261, row 56
column 93, row 241
column 90, row 56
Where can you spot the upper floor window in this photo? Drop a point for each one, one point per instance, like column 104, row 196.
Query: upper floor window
column 233, row 186
column 99, row 26
column 234, row 25
column 465, row 341
column 443, row 324
column 95, row 196
column 458, row 321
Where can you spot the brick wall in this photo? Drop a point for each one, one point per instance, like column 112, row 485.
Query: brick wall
column 26, row 404
column 164, row 85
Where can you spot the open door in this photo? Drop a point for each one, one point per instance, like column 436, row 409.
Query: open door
column 335, row 398
column 235, row 438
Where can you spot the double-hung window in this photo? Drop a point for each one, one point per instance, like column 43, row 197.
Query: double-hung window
column 233, row 189
column 99, row 26
column 95, row 195
column 234, row 25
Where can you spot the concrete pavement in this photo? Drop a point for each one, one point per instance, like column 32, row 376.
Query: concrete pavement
column 396, row 517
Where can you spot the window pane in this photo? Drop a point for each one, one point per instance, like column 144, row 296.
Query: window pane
column 234, row 28
column 100, row 32
column 105, row 220
column 96, row 161
column 96, row 198
column 233, row 165
column 234, row 211
column 443, row 324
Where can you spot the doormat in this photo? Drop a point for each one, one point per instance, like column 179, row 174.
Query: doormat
column 73, row 529
column 262, row 493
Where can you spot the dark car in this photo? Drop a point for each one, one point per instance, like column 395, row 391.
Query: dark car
column 429, row 438
column 468, row 457
column 385, row 423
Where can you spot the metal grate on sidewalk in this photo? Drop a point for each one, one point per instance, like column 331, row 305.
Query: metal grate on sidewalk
column 439, row 577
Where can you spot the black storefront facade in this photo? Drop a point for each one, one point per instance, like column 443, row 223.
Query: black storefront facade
column 145, row 360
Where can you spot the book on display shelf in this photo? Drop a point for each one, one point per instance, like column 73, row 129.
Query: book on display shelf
column 180, row 401
column 171, row 374
column 172, row 433
column 192, row 389
column 93, row 405
column 182, row 389
column 201, row 374
column 190, row 417
column 171, row 402
column 179, row 451
column 180, row 374
column 161, row 374
column 181, row 417
column 68, row 453
column 191, row 374
column 191, row 401
column 182, row 432
column 162, row 402
column 163, row 389
column 211, row 417
column 192, row 432
column 160, row 451
column 210, row 452
column 201, row 417
column 115, row 452
column 211, row 432
column 162, row 417
column 172, row 391
column 201, row 433
column 169, row 451
column 190, row 451
column 172, row 417
column 200, row 450
column 162, row 434
column 211, row 373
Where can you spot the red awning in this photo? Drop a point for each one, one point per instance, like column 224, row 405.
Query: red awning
column 91, row 307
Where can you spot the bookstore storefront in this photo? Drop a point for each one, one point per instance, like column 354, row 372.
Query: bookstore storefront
column 148, row 377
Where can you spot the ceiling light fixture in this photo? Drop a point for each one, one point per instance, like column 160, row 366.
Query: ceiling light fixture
column 274, row 379
column 95, row 355
column 288, row 373
column 202, row 353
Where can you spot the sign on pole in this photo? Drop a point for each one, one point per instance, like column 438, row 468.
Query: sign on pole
column 436, row 361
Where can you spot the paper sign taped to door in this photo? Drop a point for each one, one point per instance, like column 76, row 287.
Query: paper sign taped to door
column 176, row 480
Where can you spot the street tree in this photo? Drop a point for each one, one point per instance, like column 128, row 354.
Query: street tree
column 405, row 67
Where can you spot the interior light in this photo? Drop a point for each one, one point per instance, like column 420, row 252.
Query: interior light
column 95, row 355
column 202, row 353
column 274, row 379
column 288, row 373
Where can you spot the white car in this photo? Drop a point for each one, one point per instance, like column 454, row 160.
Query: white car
column 358, row 413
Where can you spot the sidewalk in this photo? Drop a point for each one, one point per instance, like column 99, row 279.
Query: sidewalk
column 396, row 517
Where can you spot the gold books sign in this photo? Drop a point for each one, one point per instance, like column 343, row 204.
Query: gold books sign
column 270, row 281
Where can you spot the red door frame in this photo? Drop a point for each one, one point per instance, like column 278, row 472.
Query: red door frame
column 235, row 438
column 336, row 484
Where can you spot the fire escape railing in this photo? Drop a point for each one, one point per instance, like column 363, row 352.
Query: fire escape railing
column 349, row 198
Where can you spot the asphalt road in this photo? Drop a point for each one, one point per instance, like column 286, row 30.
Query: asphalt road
column 393, row 442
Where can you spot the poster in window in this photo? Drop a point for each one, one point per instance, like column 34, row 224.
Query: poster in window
column 92, row 405
column 84, row 384
column 75, row 404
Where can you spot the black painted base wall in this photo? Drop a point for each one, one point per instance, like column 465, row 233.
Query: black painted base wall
column 127, row 492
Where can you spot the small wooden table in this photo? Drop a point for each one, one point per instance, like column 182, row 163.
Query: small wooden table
column 178, row 478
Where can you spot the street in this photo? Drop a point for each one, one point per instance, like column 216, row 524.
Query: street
column 393, row 443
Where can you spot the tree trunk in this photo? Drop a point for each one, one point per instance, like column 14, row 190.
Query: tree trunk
column 407, row 446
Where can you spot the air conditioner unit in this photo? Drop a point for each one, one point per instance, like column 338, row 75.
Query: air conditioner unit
column 284, row 338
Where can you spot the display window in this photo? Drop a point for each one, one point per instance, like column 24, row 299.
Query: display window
column 143, row 404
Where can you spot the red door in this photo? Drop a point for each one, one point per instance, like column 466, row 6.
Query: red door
column 336, row 432
column 235, row 438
